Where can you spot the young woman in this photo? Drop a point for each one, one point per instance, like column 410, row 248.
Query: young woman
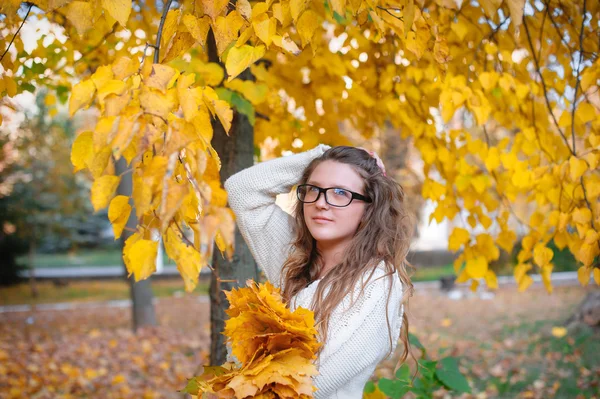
column 342, row 254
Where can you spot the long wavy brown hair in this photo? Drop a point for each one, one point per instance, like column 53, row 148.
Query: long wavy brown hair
column 384, row 234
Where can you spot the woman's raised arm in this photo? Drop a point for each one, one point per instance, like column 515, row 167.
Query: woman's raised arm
column 266, row 228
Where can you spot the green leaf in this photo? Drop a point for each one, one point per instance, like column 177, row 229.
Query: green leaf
column 191, row 387
column 395, row 389
column 369, row 387
column 28, row 87
column 450, row 376
column 237, row 101
column 412, row 338
column 63, row 93
column 403, row 373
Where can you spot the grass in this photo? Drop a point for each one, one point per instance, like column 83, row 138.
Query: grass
column 81, row 258
column 88, row 291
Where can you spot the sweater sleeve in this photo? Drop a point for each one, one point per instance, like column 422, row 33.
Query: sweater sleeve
column 358, row 340
column 266, row 228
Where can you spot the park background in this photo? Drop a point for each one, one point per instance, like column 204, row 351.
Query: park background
column 73, row 325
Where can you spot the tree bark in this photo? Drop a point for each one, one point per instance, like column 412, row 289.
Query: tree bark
column 142, row 307
column 588, row 312
column 236, row 153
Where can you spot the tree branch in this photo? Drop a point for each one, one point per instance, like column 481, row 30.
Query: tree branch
column 539, row 72
column 578, row 80
column 17, row 32
column 160, row 30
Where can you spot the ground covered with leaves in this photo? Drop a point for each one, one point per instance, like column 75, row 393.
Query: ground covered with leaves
column 509, row 346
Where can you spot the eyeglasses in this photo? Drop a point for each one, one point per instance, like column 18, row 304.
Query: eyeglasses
column 334, row 196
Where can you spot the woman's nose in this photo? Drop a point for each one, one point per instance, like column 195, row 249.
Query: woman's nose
column 321, row 203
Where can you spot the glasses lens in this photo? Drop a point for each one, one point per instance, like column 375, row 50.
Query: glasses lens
column 307, row 193
column 339, row 196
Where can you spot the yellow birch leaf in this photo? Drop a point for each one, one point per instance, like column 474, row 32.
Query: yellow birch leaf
column 286, row 44
column 583, row 275
column 114, row 86
column 577, row 167
column 226, row 30
column 409, row 16
column 297, row 7
column 597, row 275
column 161, row 77
column 307, row 25
column 102, row 76
column 142, row 258
column 506, row 240
column 181, row 43
column 169, row 29
column 542, row 255
column 458, row 238
column 582, row 215
column 135, row 237
column 173, row 197
column 244, row 8
column 118, row 9
column 264, row 27
column 490, row 6
column 100, row 161
column 81, row 96
column 515, row 7
column 124, row 67
column 586, row 112
column 474, row 285
column 103, row 190
column 156, row 103
column 491, row 280
column 240, row 58
column 189, row 264
column 559, row 332
column 477, row 267
column 80, row 14
column 118, row 214
column 281, row 11
column 524, row 283
column 198, row 27
column 10, row 86
column 488, row 80
column 83, row 151
column 214, row 8
column 339, row 6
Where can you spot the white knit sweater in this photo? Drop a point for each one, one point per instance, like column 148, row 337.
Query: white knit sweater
column 358, row 337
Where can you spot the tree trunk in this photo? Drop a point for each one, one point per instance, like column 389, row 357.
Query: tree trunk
column 588, row 312
column 236, row 153
column 141, row 293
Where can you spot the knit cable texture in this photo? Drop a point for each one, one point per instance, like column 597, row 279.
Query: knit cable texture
column 358, row 335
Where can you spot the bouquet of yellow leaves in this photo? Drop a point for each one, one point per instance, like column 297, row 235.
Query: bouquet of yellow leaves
column 275, row 348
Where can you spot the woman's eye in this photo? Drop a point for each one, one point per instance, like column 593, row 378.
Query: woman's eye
column 313, row 189
column 340, row 192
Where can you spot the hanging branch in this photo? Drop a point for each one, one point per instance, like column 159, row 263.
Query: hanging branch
column 17, row 32
column 160, row 30
column 578, row 79
column 539, row 72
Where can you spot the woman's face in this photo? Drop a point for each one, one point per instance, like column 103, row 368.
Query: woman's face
column 329, row 224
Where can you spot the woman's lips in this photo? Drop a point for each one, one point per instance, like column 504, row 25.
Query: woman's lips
column 321, row 220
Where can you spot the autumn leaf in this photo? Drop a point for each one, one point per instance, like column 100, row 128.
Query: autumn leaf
column 240, row 58
column 103, row 191
column 118, row 214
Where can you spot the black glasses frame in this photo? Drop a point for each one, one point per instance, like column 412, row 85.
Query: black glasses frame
column 324, row 191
